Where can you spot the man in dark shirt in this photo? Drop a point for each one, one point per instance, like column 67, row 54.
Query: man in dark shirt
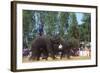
column 41, row 29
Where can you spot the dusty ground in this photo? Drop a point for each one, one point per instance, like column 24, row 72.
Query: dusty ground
column 26, row 59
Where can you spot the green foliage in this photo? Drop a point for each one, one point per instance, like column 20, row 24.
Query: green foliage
column 50, row 22
column 73, row 43
column 27, row 20
column 85, row 28
column 64, row 17
column 73, row 28
column 27, row 23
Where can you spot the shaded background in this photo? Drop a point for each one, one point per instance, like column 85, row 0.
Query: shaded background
column 67, row 25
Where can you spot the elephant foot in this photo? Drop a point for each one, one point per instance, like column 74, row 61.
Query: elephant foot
column 68, row 57
column 45, row 58
column 54, row 58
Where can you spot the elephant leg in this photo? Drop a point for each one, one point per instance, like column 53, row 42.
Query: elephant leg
column 62, row 54
column 68, row 54
column 38, row 55
column 45, row 57
column 52, row 55
column 32, row 56
column 45, row 54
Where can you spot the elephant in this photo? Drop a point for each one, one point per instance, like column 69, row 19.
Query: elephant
column 39, row 48
column 56, row 42
column 64, row 49
column 44, row 47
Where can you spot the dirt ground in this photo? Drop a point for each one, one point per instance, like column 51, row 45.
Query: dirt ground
column 26, row 59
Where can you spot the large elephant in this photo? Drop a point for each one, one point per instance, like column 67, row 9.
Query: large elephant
column 63, row 48
column 39, row 48
column 43, row 46
column 60, row 47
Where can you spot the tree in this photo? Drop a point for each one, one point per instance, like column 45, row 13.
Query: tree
column 73, row 27
column 27, row 24
column 73, row 35
column 64, row 24
column 85, row 28
column 50, row 22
